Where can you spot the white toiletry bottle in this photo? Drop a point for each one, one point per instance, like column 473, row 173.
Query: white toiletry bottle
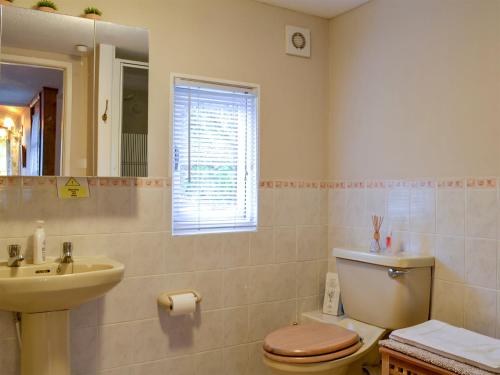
column 39, row 243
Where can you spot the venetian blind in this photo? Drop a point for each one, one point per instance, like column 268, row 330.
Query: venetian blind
column 215, row 166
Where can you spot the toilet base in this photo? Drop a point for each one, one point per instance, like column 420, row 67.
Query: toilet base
column 338, row 371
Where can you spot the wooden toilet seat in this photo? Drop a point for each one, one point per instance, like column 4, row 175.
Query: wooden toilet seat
column 310, row 343
column 315, row 358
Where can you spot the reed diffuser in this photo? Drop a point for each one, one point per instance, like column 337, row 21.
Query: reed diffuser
column 377, row 224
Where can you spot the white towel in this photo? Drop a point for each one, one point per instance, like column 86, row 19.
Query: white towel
column 453, row 342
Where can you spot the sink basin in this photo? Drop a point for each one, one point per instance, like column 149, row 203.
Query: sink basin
column 51, row 287
column 44, row 294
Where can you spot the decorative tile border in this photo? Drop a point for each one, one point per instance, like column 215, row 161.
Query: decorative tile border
column 266, row 184
column 482, row 183
column 143, row 182
column 38, row 181
column 423, row 184
column 451, row 184
column 376, row 184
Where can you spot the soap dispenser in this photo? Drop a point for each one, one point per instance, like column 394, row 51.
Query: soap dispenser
column 39, row 254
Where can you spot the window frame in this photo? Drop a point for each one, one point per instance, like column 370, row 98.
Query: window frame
column 222, row 82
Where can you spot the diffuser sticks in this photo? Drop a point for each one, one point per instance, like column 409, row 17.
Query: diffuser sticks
column 377, row 224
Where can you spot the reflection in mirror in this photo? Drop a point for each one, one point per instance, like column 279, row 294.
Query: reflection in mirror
column 122, row 100
column 46, row 94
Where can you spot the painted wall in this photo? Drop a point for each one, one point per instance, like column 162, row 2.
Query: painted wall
column 415, row 90
column 239, row 40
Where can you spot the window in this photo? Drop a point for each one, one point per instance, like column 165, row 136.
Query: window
column 214, row 161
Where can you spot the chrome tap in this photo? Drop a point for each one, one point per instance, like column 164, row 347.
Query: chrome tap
column 15, row 256
column 67, row 255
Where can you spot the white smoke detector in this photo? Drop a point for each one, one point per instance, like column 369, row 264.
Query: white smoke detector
column 298, row 41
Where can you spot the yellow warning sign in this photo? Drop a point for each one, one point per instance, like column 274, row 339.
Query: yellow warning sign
column 73, row 187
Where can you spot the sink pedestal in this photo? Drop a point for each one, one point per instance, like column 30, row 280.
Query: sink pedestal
column 45, row 349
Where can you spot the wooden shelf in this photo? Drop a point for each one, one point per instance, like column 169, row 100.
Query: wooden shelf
column 396, row 363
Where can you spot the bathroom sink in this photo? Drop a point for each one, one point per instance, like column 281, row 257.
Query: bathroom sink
column 54, row 287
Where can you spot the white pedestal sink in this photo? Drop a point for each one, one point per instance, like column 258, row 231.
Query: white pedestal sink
column 44, row 294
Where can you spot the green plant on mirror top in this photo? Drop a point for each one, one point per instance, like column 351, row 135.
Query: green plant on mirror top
column 92, row 10
column 46, row 4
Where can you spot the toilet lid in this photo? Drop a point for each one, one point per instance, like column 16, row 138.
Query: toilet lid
column 309, row 340
column 315, row 358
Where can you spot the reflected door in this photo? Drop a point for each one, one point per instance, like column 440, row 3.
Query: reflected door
column 35, row 139
column 134, row 119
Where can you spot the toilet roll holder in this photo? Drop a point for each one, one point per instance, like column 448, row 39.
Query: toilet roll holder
column 165, row 298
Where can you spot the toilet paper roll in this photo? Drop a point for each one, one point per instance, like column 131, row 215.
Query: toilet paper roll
column 183, row 304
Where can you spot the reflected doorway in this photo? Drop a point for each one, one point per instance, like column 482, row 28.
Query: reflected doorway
column 31, row 109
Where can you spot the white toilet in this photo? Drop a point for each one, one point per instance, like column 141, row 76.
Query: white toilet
column 380, row 292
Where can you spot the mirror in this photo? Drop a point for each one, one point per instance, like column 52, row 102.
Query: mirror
column 73, row 96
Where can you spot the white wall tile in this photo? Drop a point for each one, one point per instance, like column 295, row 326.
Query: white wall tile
column 498, row 316
column 236, row 287
column 398, row 209
column 423, row 243
column 450, row 258
column 262, row 247
column 307, row 279
column 144, row 209
column 286, row 206
column 498, row 265
column 84, row 346
column 323, row 206
column 337, row 207
column 236, row 250
column 180, row 254
column 285, row 244
column 423, row 210
column 235, row 359
column 9, row 357
column 255, row 364
column 355, row 207
column 210, row 334
column 114, row 210
column 209, row 362
column 451, row 212
column 236, row 326
column 209, row 252
column 147, row 254
column 149, row 343
column 448, row 302
column 308, row 206
column 310, row 242
column 481, row 263
column 482, row 213
column 178, row 366
column 86, row 315
column 126, row 370
column 480, row 307
column 266, row 207
column 115, row 347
